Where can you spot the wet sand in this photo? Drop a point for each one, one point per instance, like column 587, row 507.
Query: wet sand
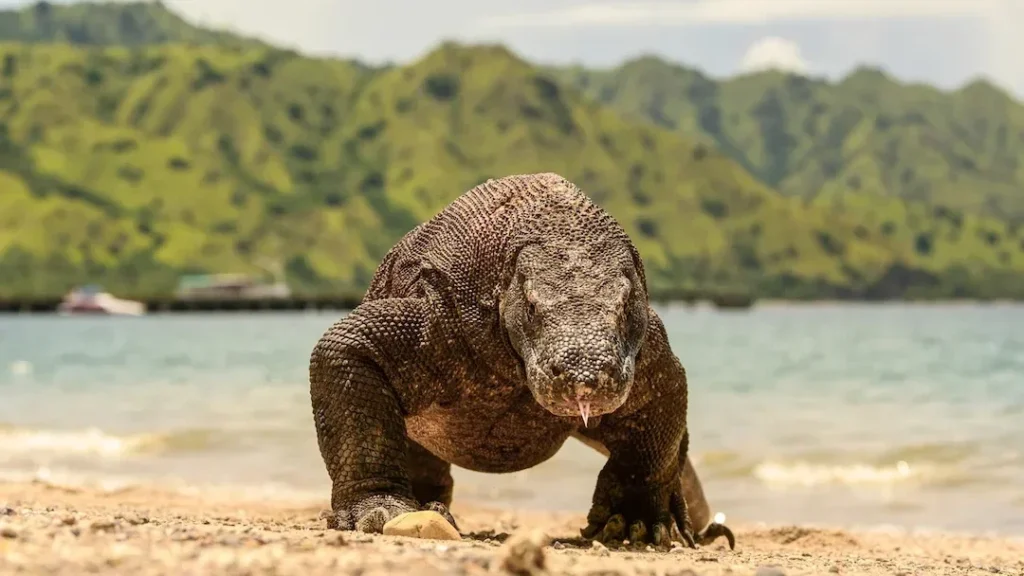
column 46, row 529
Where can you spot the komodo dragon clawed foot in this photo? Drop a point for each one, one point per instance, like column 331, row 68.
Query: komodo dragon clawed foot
column 371, row 513
column 697, row 509
column 648, row 513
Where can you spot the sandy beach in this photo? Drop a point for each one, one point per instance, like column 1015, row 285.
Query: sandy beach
column 46, row 529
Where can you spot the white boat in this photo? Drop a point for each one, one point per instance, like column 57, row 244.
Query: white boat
column 93, row 300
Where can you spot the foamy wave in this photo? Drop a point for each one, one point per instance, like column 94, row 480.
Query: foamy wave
column 21, row 367
column 112, row 483
column 807, row 474
column 62, row 478
column 94, row 442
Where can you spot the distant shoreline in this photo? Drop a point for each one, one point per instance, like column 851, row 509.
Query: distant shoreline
column 49, row 304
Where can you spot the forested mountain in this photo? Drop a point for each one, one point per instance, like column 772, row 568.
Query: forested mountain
column 133, row 163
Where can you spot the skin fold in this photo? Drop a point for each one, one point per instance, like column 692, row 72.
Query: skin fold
column 514, row 319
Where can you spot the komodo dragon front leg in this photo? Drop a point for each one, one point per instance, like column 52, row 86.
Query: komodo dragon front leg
column 696, row 502
column 366, row 374
column 648, row 482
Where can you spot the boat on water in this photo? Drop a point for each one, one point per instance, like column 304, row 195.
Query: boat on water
column 93, row 299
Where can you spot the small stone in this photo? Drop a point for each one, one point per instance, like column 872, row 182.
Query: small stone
column 558, row 546
column 423, row 524
column 834, row 569
column 677, row 550
column 598, row 548
column 8, row 532
column 769, row 571
column 69, row 521
column 7, row 511
column 523, row 553
column 103, row 525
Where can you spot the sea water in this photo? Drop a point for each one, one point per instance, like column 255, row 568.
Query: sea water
column 842, row 415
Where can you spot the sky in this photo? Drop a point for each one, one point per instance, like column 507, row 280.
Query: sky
column 942, row 42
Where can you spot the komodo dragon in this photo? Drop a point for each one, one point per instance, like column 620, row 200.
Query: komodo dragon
column 515, row 318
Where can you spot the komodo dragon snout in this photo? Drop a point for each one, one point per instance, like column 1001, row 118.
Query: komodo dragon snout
column 576, row 320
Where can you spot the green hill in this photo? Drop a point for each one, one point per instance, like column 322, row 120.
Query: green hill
column 107, row 24
column 130, row 166
column 867, row 134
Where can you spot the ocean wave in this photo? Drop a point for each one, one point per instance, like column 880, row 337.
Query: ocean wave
column 939, row 453
column 944, row 465
column 113, row 483
column 21, row 367
column 807, row 474
column 95, row 442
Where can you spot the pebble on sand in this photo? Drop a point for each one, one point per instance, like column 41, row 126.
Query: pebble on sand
column 423, row 524
column 523, row 553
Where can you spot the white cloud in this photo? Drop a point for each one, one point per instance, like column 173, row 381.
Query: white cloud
column 775, row 53
column 674, row 13
column 1005, row 44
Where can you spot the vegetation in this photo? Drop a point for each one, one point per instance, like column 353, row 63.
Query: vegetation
column 868, row 134
column 131, row 165
column 111, row 23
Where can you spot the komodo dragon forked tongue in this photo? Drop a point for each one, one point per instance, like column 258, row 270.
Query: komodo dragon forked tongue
column 584, row 411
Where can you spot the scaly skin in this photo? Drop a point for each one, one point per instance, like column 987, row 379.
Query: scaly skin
column 487, row 336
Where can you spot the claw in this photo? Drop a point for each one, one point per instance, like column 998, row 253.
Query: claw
column 682, row 521
column 662, row 535
column 713, row 532
column 637, row 532
column 584, row 411
column 614, row 530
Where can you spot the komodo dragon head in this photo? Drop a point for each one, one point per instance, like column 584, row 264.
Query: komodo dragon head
column 576, row 317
